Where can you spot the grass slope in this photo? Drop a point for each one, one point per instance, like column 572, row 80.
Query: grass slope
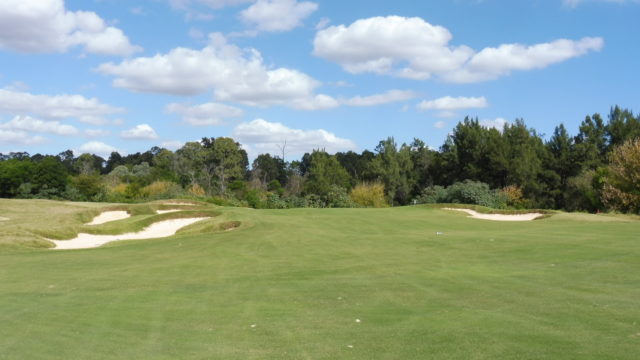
column 290, row 284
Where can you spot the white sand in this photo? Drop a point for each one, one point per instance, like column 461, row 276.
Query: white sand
column 156, row 230
column 498, row 217
column 167, row 211
column 109, row 216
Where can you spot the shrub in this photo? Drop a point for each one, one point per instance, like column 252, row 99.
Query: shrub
column 622, row 184
column 514, row 196
column 161, row 189
column 337, row 197
column 253, row 198
column 89, row 186
column 369, row 195
column 196, row 190
column 433, row 195
column 275, row 202
column 474, row 192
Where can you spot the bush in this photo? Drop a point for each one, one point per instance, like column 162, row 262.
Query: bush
column 583, row 192
column 433, row 195
column 466, row 192
column 369, row 195
column 514, row 196
column 275, row 202
column 89, row 186
column 337, row 197
column 477, row 193
column 622, row 184
column 161, row 190
column 196, row 190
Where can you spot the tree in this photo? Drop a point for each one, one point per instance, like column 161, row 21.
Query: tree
column 50, row 175
column 268, row 168
column 622, row 126
column 228, row 161
column 392, row 167
column 324, row 172
column 622, row 184
column 561, row 162
column 591, row 143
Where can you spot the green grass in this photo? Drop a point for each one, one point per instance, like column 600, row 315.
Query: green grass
column 565, row 287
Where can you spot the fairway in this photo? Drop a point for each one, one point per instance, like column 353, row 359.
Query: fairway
column 398, row 283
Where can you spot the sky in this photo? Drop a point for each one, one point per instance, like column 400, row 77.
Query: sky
column 97, row 76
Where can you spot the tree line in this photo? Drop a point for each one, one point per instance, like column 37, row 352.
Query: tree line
column 598, row 169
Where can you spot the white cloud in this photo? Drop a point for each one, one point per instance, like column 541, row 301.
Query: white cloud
column 413, row 48
column 261, row 136
column 277, row 15
column 380, row 99
column 96, row 133
column 172, row 144
column 97, row 148
column 140, row 132
column 235, row 75
column 440, row 125
column 204, row 114
column 323, row 23
column 45, row 26
column 29, row 124
column 56, row 107
column 214, row 4
column 449, row 103
column 492, row 63
column 19, row 137
column 497, row 123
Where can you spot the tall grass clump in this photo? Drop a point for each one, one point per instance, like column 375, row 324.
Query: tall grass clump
column 369, row 195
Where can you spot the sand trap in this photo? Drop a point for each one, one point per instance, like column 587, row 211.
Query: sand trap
column 167, row 211
column 109, row 216
column 498, row 217
column 156, row 230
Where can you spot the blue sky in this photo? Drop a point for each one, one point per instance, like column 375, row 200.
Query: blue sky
column 103, row 75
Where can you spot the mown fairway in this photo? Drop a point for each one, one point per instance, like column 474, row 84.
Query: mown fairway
column 291, row 284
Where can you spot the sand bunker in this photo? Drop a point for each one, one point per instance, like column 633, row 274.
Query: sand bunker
column 109, row 216
column 167, row 211
column 498, row 217
column 156, row 230
column 180, row 204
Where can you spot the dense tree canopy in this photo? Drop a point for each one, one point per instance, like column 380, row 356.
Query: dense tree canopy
column 514, row 166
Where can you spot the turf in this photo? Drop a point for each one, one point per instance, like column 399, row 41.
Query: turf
column 291, row 284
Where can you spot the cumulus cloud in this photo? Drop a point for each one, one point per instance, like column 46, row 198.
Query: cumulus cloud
column 45, row 26
column 440, row 125
column 413, row 48
column 172, row 144
column 449, row 103
column 29, row 124
column 204, row 114
column 56, row 107
column 380, row 99
column 213, row 4
column 19, row 137
column 140, row 132
column 97, row 148
column 261, row 136
column 277, row 15
column 234, row 74
column 497, row 123
column 96, row 133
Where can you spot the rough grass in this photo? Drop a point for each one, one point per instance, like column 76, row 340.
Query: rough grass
column 290, row 284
